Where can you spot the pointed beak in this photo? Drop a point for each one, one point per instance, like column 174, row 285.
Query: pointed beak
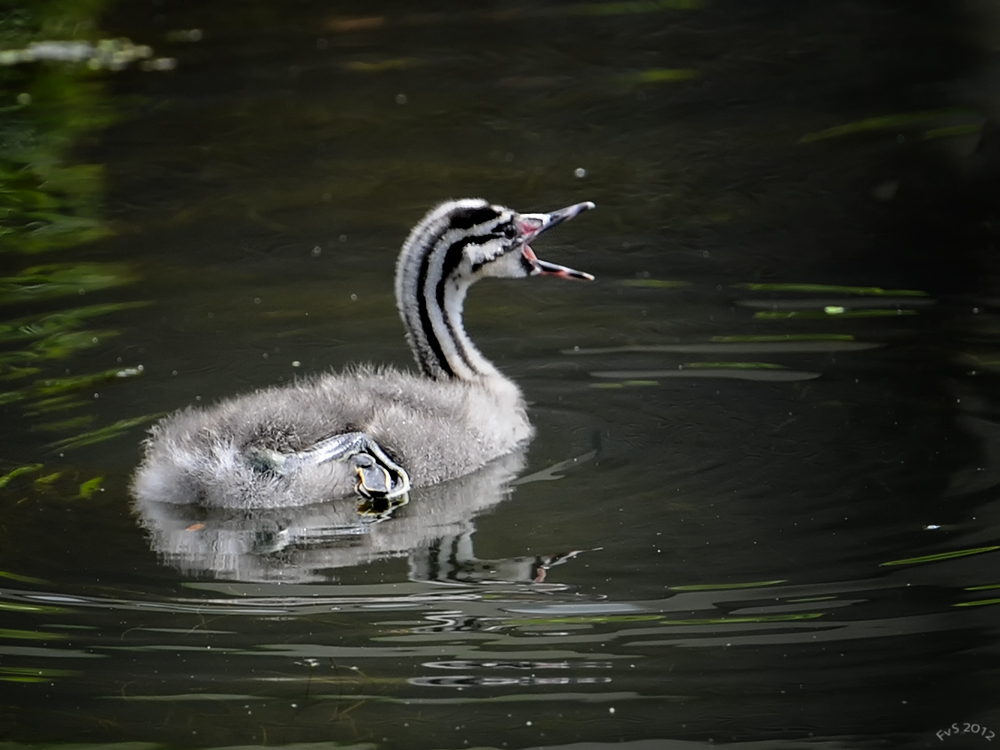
column 533, row 225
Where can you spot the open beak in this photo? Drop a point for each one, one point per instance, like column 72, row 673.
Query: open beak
column 533, row 225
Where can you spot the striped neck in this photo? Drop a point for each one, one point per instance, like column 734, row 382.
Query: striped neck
column 432, row 278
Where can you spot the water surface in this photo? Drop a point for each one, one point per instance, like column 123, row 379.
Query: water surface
column 761, row 504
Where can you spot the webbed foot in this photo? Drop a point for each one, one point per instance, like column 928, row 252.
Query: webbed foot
column 379, row 477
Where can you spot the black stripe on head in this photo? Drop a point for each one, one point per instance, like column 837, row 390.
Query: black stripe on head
column 505, row 234
column 470, row 217
column 453, row 256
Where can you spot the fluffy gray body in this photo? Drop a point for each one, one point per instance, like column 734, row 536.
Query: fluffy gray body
column 437, row 430
column 294, row 445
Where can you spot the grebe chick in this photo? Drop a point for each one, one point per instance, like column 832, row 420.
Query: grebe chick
column 371, row 431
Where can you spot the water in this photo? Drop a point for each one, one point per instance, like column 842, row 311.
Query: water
column 761, row 505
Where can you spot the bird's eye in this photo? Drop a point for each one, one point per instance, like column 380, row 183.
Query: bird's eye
column 469, row 218
column 508, row 230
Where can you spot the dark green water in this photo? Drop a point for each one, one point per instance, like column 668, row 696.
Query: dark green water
column 767, row 454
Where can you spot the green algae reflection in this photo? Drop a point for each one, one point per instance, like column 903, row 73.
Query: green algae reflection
column 662, row 619
column 85, row 490
column 45, row 202
column 52, row 95
column 867, row 291
column 61, row 280
column 33, row 674
column 29, row 635
column 900, row 121
column 838, row 312
column 941, row 556
column 19, row 471
column 664, row 75
column 108, row 432
column 776, row 338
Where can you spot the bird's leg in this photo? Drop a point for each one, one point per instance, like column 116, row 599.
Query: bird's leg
column 378, row 475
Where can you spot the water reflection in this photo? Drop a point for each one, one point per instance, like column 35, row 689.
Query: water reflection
column 310, row 544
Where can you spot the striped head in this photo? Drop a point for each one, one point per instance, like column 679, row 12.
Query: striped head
column 454, row 245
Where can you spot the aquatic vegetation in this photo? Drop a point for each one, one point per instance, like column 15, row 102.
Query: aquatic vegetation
column 20, row 578
column 380, row 66
column 665, row 75
column 29, row 635
column 73, row 423
column 54, row 395
column 60, row 280
column 51, row 56
column 88, row 488
column 626, row 384
column 15, row 373
column 656, row 283
column 33, row 674
column 11, row 397
column 952, row 131
column 782, row 337
column 903, row 121
column 763, row 344
column 55, row 386
column 733, row 365
column 62, row 345
column 101, row 434
column 48, row 479
column 51, row 336
column 646, row 377
column 53, row 324
column 54, row 404
column 831, row 311
column 832, row 289
column 45, row 202
column 30, row 608
column 68, row 485
column 977, row 603
column 662, row 619
column 941, row 556
column 784, row 301
column 19, row 471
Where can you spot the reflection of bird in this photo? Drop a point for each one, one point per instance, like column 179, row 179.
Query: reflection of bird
column 376, row 431
column 313, row 543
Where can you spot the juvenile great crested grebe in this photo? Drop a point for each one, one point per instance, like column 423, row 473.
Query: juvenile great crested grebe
column 374, row 431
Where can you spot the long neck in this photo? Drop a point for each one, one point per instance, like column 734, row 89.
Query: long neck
column 430, row 295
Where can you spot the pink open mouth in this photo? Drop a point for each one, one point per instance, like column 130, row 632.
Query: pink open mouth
column 533, row 225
